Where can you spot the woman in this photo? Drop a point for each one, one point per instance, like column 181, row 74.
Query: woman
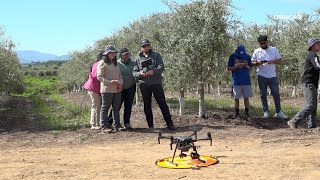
column 109, row 75
column 93, row 87
column 129, row 87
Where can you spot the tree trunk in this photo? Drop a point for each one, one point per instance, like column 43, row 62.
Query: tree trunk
column 182, row 102
column 294, row 91
column 209, row 88
column 219, row 88
column 201, row 99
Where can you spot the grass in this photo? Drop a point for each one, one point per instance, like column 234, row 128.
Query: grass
column 37, row 85
column 53, row 111
column 60, row 114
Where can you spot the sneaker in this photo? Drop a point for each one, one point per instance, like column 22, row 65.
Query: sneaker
column 127, row 126
column 107, row 128
column 118, row 127
column 93, row 127
column 265, row 115
column 281, row 115
column 291, row 124
column 172, row 127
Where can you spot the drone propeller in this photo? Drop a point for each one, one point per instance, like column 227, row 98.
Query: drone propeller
column 174, row 140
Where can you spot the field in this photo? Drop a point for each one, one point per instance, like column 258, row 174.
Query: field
column 246, row 148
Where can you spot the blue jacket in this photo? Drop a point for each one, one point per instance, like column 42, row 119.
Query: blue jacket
column 240, row 76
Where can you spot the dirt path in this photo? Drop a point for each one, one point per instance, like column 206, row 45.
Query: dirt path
column 244, row 150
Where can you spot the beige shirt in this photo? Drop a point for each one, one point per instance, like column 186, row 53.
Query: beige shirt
column 106, row 73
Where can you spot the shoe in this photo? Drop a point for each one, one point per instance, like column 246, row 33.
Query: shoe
column 281, row 115
column 127, row 126
column 107, row 128
column 93, row 127
column 265, row 115
column 291, row 124
column 172, row 127
column 118, row 127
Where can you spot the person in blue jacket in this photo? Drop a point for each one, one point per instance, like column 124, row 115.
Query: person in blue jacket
column 240, row 64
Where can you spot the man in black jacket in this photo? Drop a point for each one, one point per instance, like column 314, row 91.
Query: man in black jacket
column 309, row 86
column 149, row 68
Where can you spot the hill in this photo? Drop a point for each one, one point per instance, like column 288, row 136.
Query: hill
column 28, row 56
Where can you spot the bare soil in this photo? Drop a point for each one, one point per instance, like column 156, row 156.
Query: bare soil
column 246, row 148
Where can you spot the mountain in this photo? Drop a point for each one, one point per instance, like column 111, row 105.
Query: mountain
column 28, row 56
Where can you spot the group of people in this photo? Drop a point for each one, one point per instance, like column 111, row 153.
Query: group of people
column 112, row 83
column 265, row 59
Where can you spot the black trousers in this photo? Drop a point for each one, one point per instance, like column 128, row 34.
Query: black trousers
column 158, row 93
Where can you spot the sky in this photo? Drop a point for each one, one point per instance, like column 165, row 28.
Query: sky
column 62, row 26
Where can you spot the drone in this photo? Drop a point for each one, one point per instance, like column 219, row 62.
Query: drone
column 184, row 144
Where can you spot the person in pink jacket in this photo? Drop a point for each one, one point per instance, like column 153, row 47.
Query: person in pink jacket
column 93, row 87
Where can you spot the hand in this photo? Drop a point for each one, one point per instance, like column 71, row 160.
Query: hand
column 115, row 82
column 263, row 62
column 270, row 62
column 143, row 74
column 150, row 72
column 247, row 66
column 119, row 87
column 238, row 65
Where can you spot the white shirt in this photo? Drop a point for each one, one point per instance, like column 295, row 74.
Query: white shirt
column 266, row 70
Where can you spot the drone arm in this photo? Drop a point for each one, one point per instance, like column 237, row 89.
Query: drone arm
column 204, row 139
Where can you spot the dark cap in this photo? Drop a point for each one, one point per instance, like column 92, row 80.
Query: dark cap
column 262, row 38
column 144, row 42
column 124, row 51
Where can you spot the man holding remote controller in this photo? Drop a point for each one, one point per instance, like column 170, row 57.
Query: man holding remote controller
column 265, row 59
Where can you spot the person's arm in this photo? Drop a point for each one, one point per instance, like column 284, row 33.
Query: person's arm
column 277, row 59
column 159, row 66
column 232, row 66
column 136, row 69
column 315, row 62
column 100, row 73
column 254, row 59
column 248, row 65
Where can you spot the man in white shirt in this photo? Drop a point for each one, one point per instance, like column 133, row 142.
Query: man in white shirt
column 266, row 58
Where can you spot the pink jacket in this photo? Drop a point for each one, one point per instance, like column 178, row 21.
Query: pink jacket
column 93, row 84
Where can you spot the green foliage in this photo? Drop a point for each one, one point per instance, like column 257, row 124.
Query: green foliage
column 36, row 85
column 51, row 108
column 76, row 70
column 10, row 76
column 48, row 68
column 60, row 114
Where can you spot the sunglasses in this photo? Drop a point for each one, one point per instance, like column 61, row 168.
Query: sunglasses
column 144, row 46
column 262, row 43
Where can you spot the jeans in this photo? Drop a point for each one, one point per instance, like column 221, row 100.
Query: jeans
column 109, row 99
column 274, row 87
column 309, row 109
column 127, row 97
column 158, row 93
